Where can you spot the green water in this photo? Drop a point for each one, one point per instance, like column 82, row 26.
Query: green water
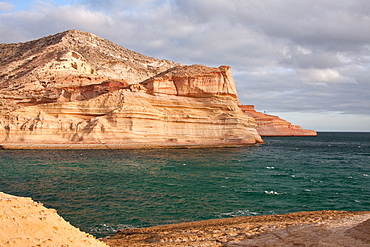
column 101, row 191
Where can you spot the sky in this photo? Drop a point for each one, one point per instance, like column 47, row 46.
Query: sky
column 307, row 61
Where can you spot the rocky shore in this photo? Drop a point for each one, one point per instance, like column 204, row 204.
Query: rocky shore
column 24, row 222
column 321, row 228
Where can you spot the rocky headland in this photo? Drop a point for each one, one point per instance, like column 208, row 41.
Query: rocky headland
column 269, row 125
column 77, row 90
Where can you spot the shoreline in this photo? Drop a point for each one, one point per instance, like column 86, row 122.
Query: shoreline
column 71, row 146
column 315, row 228
column 25, row 222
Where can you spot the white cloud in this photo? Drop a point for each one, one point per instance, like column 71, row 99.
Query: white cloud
column 323, row 76
column 5, row 6
column 47, row 19
column 327, row 121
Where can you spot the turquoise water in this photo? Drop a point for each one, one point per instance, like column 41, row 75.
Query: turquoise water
column 101, row 191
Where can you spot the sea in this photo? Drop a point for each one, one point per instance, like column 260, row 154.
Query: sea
column 101, row 191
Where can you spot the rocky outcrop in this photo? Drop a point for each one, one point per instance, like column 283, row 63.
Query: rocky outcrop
column 269, row 125
column 320, row 228
column 76, row 90
column 24, row 222
column 193, row 81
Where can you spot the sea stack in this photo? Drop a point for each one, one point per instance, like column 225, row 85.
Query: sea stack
column 77, row 90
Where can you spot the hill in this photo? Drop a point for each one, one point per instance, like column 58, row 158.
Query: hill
column 77, row 90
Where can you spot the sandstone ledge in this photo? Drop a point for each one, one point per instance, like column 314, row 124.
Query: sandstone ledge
column 321, row 228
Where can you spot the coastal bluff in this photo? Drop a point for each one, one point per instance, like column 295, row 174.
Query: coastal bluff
column 269, row 125
column 77, row 90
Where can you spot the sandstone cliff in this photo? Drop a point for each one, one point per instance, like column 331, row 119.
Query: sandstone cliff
column 193, row 81
column 268, row 125
column 76, row 90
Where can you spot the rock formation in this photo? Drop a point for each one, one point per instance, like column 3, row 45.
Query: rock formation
column 36, row 71
column 76, row 90
column 320, row 228
column 193, row 81
column 269, row 125
column 24, row 222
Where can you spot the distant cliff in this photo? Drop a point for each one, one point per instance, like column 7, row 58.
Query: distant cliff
column 268, row 125
column 76, row 90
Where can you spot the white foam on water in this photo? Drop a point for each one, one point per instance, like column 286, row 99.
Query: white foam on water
column 104, row 228
column 239, row 213
column 273, row 193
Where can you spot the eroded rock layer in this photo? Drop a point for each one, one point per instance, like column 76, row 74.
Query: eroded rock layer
column 125, row 117
column 269, row 125
column 76, row 90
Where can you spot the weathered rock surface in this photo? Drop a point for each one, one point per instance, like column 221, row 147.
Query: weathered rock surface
column 24, row 222
column 76, row 90
column 321, row 229
column 193, row 81
column 35, row 70
column 125, row 117
column 269, row 125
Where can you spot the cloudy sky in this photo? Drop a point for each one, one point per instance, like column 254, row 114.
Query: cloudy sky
column 307, row 61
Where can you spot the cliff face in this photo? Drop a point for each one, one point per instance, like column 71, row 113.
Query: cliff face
column 74, row 88
column 193, row 81
column 268, row 125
